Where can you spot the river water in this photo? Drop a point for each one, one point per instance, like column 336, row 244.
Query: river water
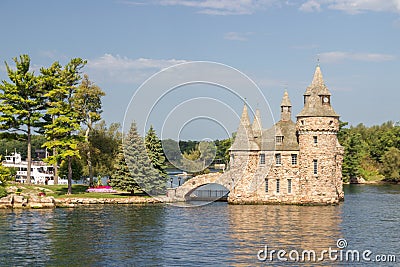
column 212, row 235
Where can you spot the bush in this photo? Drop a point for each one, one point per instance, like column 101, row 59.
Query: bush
column 3, row 191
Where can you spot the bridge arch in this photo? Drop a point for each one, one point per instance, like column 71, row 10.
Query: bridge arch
column 183, row 192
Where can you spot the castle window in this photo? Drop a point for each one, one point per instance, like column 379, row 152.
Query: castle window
column 278, row 159
column 315, row 164
column 266, row 185
column 279, row 140
column 302, row 122
column 315, row 139
column 289, row 186
column 277, row 185
column 294, row 159
column 262, row 158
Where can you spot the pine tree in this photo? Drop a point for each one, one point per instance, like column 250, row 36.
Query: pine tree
column 22, row 104
column 147, row 177
column 155, row 152
column 62, row 132
column 122, row 177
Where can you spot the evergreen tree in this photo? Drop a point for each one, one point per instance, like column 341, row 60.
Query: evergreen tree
column 22, row 104
column 122, row 177
column 62, row 131
column 352, row 156
column 391, row 164
column 147, row 177
column 155, row 152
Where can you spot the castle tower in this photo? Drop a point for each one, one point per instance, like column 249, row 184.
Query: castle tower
column 320, row 156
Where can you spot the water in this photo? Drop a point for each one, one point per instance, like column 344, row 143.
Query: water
column 211, row 235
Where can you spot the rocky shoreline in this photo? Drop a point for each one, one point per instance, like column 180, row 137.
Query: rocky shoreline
column 15, row 201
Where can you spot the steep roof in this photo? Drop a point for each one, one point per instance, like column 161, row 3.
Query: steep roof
column 244, row 139
column 286, row 100
column 287, row 129
column 256, row 126
column 313, row 106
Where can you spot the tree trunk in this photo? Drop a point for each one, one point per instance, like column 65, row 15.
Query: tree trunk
column 29, row 156
column 55, row 165
column 55, row 168
column 69, row 158
column 89, row 156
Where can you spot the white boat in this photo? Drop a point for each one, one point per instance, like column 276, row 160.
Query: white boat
column 41, row 173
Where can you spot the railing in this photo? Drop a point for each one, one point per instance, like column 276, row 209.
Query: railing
column 209, row 195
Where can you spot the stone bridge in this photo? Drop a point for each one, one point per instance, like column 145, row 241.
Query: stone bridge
column 183, row 192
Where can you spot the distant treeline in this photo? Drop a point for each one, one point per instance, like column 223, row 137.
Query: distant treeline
column 370, row 152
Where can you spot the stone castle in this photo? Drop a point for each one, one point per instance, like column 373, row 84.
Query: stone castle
column 292, row 162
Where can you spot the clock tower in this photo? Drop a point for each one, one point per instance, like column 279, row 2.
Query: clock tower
column 321, row 155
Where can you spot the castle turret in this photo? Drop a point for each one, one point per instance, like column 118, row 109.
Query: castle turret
column 244, row 139
column 286, row 108
column 320, row 153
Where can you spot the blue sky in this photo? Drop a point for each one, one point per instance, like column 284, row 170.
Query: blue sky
column 276, row 43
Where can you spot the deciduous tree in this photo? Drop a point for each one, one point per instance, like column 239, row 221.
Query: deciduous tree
column 87, row 103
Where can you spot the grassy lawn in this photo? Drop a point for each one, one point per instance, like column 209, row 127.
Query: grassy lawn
column 60, row 191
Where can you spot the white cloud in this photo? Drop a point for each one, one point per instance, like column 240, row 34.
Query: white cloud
column 352, row 6
column 127, row 70
column 337, row 56
column 311, row 6
column 237, row 36
column 221, row 7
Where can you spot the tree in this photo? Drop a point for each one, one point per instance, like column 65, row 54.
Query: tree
column 87, row 102
column 62, row 132
column 122, row 177
column 5, row 174
column 142, row 171
column 22, row 104
column 104, row 143
column 155, row 152
column 352, row 156
column 50, row 81
column 76, row 167
column 391, row 164
column 197, row 160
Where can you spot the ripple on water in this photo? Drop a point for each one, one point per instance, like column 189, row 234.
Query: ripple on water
column 211, row 235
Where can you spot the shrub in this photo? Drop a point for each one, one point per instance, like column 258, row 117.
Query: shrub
column 3, row 191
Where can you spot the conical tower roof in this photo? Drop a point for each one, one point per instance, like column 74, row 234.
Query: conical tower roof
column 244, row 139
column 313, row 107
column 286, row 100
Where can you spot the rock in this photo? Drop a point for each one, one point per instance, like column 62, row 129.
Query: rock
column 6, row 202
column 357, row 180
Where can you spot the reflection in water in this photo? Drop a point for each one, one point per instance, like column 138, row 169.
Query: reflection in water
column 211, row 235
column 283, row 227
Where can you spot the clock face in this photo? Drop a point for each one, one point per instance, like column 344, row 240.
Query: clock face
column 326, row 99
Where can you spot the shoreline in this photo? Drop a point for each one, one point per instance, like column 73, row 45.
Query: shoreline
column 14, row 201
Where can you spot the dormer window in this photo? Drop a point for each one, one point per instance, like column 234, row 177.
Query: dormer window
column 279, row 139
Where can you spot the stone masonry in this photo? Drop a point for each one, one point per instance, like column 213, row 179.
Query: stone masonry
column 292, row 162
